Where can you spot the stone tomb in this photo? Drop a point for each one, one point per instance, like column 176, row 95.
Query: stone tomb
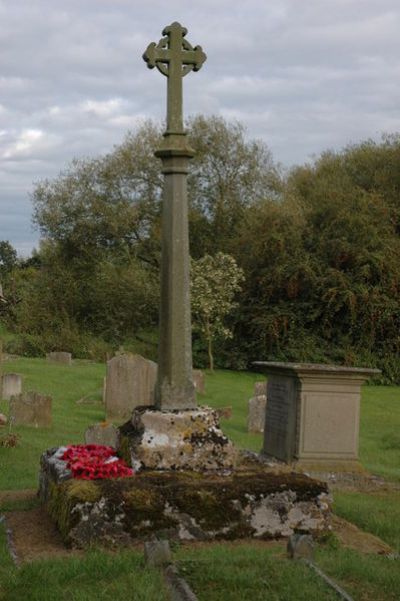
column 31, row 409
column 130, row 382
column 11, row 384
column 187, row 506
column 312, row 415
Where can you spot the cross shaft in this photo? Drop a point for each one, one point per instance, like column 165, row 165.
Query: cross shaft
column 174, row 57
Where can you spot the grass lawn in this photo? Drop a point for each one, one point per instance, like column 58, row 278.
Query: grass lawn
column 220, row 571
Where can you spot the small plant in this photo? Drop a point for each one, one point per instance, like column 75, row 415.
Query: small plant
column 10, row 439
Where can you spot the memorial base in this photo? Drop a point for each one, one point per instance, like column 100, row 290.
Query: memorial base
column 251, row 502
column 176, row 440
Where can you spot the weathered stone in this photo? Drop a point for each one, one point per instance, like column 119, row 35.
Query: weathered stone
column 184, row 505
column 157, row 552
column 260, row 388
column 130, row 383
column 60, row 357
column 174, row 57
column 11, row 384
column 256, row 413
column 177, row 440
column 199, row 381
column 300, row 546
column 102, row 433
column 312, row 414
column 31, row 409
column 3, row 419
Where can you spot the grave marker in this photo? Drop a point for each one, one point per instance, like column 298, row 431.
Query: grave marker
column 11, row 384
column 312, row 415
column 31, row 409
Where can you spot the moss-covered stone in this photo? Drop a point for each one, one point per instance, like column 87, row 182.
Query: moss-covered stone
column 252, row 501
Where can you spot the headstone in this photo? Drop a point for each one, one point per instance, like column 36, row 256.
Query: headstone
column 11, row 384
column 157, row 552
column 102, row 433
column 312, row 414
column 3, row 419
column 224, row 412
column 130, row 382
column 199, row 381
column 300, row 546
column 260, row 388
column 256, row 413
column 60, row 357
column 31, row 409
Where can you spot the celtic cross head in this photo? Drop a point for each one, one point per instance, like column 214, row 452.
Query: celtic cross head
column 173, row 55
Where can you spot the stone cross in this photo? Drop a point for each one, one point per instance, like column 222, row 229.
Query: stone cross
column 174, row 57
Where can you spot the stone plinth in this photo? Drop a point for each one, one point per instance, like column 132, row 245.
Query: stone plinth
column 130, row 382
column 31, row 409
column 312, row 415
column 11, row 384
column 182, row 505
column 176, row 440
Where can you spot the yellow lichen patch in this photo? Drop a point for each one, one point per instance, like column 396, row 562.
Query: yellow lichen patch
column 141, row 499
column 84, row 491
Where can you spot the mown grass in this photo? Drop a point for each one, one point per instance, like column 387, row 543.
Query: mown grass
column 378, row 513
column 255, row 573
column 93, row 576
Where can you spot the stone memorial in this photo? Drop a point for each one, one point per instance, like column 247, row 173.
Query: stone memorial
column 184, row 436
column 312, row 414
column 59, row 357
column 256, row 413
column 11, row 384
column 102, row 433
column 260, row 388
column 199, row 381
column 188, row 482
column 31, row 409
column 130, row 383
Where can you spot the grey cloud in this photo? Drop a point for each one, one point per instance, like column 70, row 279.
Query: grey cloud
column 303, row 76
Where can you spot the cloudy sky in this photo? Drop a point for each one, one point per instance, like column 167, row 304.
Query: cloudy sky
column 303, row 75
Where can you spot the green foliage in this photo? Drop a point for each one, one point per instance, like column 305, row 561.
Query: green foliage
column 319, row 248
column 214, row 283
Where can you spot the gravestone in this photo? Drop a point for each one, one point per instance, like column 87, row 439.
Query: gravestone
column 199, row 381
column 312, row 414
column 102, row 433
column 59, row 357
column 260, row 388
column 31, row 409
column 130, row 383
column 11, row 384
column 256, row 413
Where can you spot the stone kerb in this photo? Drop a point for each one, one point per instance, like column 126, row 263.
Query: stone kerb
column 11, row 384
column 31, row 409
column 130, row 382
column 312, row 414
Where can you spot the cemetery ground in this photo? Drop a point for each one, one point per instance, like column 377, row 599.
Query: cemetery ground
column 360, row 556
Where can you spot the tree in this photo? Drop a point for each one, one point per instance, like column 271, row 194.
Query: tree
column 214, row 283
column 8, row 258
